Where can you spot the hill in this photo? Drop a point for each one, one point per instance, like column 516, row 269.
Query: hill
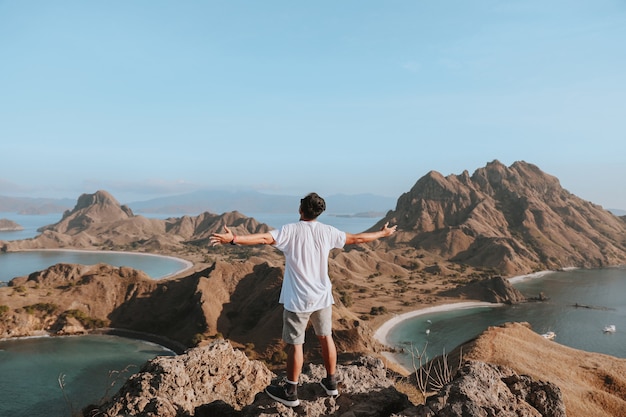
column 514, row 219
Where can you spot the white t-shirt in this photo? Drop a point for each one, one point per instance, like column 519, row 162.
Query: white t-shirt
column 306, row 245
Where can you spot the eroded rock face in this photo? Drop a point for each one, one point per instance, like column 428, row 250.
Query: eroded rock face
column 217, row 380
column 482, row 389
column 177, row 385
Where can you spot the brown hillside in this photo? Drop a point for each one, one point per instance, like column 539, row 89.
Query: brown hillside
column 514, row 219
column 592, row 384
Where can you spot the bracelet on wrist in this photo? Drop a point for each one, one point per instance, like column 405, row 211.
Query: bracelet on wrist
column 232, row 242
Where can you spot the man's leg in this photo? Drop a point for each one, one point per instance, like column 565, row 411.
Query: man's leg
column 294, row 327
column 329, row 353
column 295, row 360
column 322, row 322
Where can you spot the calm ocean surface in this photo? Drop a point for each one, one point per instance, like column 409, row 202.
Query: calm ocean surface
column 30, row 368
column 30, row 371
column 577, row 327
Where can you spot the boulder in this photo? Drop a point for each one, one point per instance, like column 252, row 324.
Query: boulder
column 481, row 389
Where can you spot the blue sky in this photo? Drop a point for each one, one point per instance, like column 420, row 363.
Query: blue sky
column 152, row 98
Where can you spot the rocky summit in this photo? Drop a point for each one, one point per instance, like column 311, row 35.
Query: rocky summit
column 217, row 380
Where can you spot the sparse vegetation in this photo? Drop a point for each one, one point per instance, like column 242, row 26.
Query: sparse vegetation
column 20, row 289
column 84, row 319
column 431, row 375
column 377, row 311
column 46, row 308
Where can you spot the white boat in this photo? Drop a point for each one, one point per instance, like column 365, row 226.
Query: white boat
column 549, row 335
column 609, row 329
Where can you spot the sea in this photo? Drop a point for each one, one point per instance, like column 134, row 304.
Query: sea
column 580, row 303
column 58, row 376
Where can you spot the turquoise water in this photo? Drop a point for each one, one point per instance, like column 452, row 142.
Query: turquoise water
column 580, row 328
column 15, row 264
column 30, row 371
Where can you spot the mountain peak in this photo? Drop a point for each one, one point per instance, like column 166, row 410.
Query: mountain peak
column 515, row 219
column 99, row 198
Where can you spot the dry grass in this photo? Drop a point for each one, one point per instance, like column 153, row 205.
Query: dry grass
column 592, row 384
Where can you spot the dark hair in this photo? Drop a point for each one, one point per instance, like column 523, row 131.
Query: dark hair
column 312, row 206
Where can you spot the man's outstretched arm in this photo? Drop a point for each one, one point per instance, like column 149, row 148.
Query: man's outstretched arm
column 229, row 237
column 370, row 236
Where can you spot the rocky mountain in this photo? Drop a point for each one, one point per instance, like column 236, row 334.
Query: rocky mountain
column 514, row 219
column 99, row 220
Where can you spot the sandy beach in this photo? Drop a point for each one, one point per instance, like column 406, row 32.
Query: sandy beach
column 383, row 330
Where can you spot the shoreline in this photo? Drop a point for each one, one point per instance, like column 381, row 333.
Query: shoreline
column 187, row 265
column 381, row 332
column 163, row 342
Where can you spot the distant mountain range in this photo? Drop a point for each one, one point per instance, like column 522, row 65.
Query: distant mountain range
column 254, row 202
column 247, row 202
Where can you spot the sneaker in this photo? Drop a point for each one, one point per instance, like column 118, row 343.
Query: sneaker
column 329, row 386
column 280, row 394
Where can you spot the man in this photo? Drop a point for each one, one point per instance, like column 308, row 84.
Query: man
column 306, row 291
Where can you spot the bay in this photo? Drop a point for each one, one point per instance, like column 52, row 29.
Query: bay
column 91, row 367
column 600, row 291
column 16, row 264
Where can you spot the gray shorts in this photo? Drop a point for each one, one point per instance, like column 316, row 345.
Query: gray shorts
column 294, row 324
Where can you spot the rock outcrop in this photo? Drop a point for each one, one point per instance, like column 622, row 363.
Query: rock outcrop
column 481, row 389
column 217, row 380
column 174, row 386
column 493, row 290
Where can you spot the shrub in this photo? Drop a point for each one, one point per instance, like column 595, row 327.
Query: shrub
column 376, row 311
column 46, row 308
column 278, row 357
column 4, row 309
column 84, row 319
